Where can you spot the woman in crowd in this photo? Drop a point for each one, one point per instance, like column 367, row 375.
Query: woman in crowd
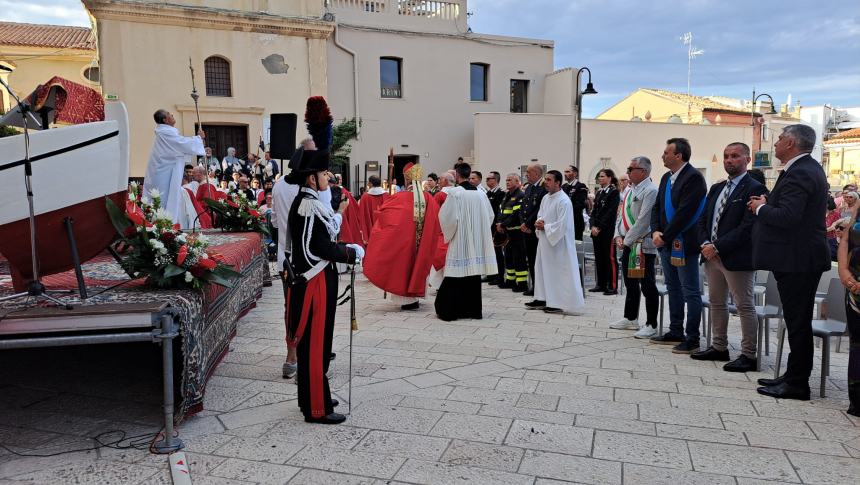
column 602, row 220
column 849, row 273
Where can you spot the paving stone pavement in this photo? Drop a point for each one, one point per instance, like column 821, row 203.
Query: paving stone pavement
column 519, row 397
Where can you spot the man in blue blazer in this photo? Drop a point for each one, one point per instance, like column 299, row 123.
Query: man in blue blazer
column 680, row 201
column 789, row 240
column 725, row 230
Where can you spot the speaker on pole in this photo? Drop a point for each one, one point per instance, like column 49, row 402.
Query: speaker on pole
column 282, row 139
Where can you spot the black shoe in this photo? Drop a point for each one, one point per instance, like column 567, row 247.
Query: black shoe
column 410, row 306
column 597, row 289
column 771, row 382
column 485, row 279
column 786, row 391
column 741, row 364
column 519, row 289
column 550, row 309
column 504, row 284
column 711, row 354
column 536, row 305
column 333, row 418
column 667, row 339
column 610, row 292
column 853, row 411
column 685, row 347
column 335, row 403
column 529, row 293
column 493, row 280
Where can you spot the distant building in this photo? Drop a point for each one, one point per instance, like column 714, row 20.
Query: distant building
column 36, row 53
column 843, row 157
column 415, row 74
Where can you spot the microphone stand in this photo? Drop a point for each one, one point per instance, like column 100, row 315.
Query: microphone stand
column 35, row 288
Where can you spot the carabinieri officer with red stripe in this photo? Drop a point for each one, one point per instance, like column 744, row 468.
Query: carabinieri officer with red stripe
column 312, row 286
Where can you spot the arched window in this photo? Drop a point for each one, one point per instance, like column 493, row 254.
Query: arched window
column 217, row 71
column 91, row 74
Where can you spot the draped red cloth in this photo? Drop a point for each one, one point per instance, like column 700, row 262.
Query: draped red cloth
column 392, row 262
column 350, row 230
column 202, row 217
column 74, row 103
column 369, row 205
column 440, row 197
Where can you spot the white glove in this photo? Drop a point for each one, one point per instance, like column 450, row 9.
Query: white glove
column 359, row 251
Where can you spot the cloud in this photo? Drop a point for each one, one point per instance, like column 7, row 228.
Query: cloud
column 60, row 12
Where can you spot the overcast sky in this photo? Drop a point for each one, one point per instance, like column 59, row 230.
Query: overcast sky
column 809, row 49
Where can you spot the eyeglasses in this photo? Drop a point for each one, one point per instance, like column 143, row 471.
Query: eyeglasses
column 630, row 169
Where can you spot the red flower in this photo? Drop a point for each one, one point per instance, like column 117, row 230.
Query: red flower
column 232, row 204
column 182, row 254
column 217, row 257
column 168, row 237
column 207, row 264
column 129, row 231
column 135, row 217
column 176, row 227
column 253, row 213
column 197, row 271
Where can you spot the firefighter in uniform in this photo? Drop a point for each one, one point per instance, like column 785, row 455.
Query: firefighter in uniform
column 509, row 221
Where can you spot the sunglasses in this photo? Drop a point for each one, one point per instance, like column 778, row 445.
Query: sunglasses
column 630, row 169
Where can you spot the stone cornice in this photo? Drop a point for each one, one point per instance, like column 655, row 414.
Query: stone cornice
column 243, row 110
column 208, row 18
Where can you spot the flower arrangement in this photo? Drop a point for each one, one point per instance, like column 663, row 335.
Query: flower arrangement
column 160, row 251
column 238, row 214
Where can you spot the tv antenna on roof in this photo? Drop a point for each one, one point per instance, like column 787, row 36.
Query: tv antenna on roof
column 692, row 53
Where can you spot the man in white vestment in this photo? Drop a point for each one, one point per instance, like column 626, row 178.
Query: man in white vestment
column 170, row 153
column 465, row 219
column 558, row 288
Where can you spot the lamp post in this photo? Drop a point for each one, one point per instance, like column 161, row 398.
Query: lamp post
column 752, row 108
column 577, row 112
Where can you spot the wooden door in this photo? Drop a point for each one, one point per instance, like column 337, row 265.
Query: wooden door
column 221, row 137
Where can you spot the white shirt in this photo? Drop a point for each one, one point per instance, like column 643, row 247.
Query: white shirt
column 674, row 175
column 283, row 195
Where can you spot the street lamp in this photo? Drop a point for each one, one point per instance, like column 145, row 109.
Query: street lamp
column 752, row 108
column 589, row 89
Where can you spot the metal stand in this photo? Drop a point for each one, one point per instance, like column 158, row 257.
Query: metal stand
column 169, row 330
column 35, row 288
column 76, row 259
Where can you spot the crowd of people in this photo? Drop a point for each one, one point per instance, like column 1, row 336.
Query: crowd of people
column 451, row 231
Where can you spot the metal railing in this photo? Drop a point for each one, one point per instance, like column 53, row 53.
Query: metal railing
column 370, row 6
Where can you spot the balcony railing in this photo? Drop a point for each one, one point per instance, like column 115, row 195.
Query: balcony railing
column 430, row 9
column 370, row 6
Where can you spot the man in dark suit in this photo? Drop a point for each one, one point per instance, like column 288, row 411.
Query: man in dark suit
column 578, row 193
column 789, row 240
column 533, row 195
column 496, row 196
column 725, row 231
column 675, row 235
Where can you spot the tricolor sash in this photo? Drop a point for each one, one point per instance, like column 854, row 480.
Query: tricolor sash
column 636, row 259
column 678, row 257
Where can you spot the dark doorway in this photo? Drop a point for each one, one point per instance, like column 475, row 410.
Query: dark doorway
column 519, row 96
column 221, row 137
column 401, row 161
column 341, row 167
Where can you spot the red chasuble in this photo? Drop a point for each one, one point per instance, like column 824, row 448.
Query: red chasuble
column 350, row 229
column 369, row 205
column 393, row 262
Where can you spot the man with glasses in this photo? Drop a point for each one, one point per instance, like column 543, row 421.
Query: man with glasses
column 638, row 253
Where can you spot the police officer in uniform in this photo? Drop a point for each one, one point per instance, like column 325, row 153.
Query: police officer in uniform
column 578, row 193
column 532, row 196
column 496, row 195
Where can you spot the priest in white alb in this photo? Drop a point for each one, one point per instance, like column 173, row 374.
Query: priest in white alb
column 170, row 153
column 465, row 219
column 558, row 288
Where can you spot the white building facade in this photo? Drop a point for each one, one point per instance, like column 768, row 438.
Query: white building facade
column 415, row 75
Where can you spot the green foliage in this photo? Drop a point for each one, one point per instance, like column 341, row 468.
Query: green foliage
column 342, row 134
column 7, row 131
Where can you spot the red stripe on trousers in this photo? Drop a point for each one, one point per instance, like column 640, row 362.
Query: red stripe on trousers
column 294, row 342
column 317, row 298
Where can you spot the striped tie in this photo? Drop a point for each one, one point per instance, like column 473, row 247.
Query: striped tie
column 723, row 202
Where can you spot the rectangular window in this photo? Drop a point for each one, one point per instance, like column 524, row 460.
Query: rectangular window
column 389, row 77
column 519, row 96
column 478, row 74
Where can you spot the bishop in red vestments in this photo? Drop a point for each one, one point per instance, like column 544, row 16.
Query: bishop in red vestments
column 405, row 240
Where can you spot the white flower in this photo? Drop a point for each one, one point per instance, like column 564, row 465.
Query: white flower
column 203, row 239
column 204, row 256
column 154, row 193
column 133, row 185
column 145, row 200
column 181, row 237
column 156, row 244
column 163, row 215
column 188, row 277
column 131, row 196
column 162, row 249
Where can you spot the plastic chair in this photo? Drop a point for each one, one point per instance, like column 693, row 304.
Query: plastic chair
column 834, row 325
